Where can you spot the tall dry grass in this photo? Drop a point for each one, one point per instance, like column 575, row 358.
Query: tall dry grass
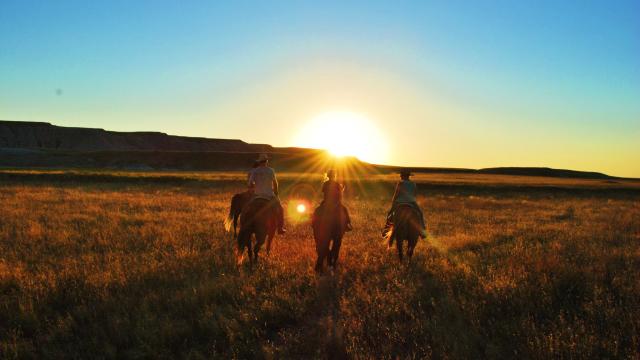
column 122, row 270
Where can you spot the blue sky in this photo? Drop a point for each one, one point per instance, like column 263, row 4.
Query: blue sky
column 452, row 83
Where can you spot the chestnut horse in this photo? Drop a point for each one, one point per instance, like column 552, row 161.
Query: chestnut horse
column 406, row 226
column 258, row 218
column 329, row 225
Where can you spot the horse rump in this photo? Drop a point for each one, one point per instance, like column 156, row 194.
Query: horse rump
column 405, row 221
column 238, row 202
column 329, row 225
column 257, row 218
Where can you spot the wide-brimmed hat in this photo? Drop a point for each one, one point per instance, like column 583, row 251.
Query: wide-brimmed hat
column 331, row 172
column 262, row 157
column 405, row 172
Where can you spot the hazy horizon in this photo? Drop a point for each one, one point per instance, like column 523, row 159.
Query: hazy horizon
column 455, row 84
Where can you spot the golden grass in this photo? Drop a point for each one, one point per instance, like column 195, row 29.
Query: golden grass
column 145, row 270
column 435, row 178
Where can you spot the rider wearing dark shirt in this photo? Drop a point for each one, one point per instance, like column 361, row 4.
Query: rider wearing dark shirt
column 332, row 191
column 405, row 194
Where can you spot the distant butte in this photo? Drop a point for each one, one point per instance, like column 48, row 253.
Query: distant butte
column 41, row 144
column 42, row 135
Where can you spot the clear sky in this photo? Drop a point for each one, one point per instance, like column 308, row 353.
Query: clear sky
column 449, row 83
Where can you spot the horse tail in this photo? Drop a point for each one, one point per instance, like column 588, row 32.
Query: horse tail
column 238, row 202
column 228, row 220
column 389, row 233
column 244, row 236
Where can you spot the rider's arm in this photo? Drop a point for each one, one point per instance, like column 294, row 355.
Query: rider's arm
column 252, row 180
column 275, row 184
column 395, row 194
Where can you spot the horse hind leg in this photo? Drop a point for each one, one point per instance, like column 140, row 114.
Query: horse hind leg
column 259, row 241
column 411, row 247
column 242, row 240
column 335, row 252
column 399, row 247
column 323, row 253
column 330, row 251
column 235, row 225
column 320, row 262
column 270, row 237
column 250, row 251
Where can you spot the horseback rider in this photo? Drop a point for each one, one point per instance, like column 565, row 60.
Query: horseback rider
column 265, row 185
column 405, row 194
column 332, row 191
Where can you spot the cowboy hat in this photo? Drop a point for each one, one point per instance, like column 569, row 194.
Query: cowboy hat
column 262, row 157
column 405, row 172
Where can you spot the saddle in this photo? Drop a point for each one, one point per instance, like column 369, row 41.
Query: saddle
column 326, row 209
column 260, row 202
column 400, row 206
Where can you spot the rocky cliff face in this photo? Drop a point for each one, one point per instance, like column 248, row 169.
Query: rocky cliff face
column 40, row 135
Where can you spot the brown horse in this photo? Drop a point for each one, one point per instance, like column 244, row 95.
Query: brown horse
column 329, row 225
column 258, row 218
column 238, row 202
column 406, row 226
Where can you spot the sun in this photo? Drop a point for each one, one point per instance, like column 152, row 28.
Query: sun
column 345, row 134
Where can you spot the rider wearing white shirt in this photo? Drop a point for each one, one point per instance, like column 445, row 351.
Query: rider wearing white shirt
column 265, row 185
column 265, row 182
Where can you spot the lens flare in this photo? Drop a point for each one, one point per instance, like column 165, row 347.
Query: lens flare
column 298, row 211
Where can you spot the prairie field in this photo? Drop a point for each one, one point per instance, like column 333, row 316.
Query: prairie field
column 138, row 265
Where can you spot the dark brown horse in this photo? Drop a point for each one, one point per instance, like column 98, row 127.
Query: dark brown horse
column 238, row 202
column 406, row 226
column 258, row 218
column 329, row 225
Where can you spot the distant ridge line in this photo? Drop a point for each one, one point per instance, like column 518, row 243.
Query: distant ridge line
column 43, row 135
column 41, row 144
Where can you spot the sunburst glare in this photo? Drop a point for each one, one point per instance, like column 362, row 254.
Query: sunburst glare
column 345, row 134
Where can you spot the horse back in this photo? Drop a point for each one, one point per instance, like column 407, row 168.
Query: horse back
column 407, row 222
column 258, row 211
column 329, row 221
column 239, row 201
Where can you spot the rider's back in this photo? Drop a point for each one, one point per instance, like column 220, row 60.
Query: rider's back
column 263, row 178
column 406, row 192
column 332, row 191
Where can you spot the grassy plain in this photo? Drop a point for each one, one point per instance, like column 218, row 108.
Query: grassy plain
column 137, row 265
